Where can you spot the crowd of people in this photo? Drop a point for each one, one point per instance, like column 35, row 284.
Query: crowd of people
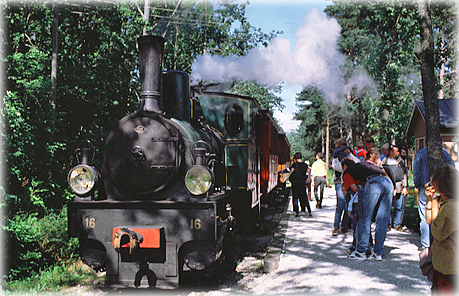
column 368, row 184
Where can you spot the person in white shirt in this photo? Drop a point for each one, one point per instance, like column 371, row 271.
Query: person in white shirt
column 394, row 165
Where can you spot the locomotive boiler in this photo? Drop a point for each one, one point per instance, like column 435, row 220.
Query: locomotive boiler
column 176, row 176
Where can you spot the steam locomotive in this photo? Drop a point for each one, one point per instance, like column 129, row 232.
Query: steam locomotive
column 177, row 175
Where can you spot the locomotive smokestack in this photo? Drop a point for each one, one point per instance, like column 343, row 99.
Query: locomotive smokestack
column 150, row 57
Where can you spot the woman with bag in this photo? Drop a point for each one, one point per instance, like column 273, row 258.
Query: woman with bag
column 442, row 214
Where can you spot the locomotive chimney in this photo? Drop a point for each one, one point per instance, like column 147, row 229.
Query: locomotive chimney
column 150, row 58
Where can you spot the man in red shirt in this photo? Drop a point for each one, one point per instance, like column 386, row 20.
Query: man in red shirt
column 377, row 194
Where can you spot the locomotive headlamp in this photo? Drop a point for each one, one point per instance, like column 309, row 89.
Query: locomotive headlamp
column 198, row 180
column 82, row 179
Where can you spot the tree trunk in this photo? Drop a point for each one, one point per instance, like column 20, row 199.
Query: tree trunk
column 146, row 16
column 55, row 46
column 432, row 116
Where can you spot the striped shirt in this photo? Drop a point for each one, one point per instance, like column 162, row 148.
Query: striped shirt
column 444, row 233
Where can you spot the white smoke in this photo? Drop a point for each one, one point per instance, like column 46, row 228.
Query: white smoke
column 315, row 60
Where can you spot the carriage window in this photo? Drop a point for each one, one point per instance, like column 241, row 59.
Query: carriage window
column 234, row 120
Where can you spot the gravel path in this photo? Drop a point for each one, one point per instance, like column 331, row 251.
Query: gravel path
column 313, row 261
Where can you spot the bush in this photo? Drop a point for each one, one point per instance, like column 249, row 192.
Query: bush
column 54, row 278
column 35, row 243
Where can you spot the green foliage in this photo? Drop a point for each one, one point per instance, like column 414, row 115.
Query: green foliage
column 265, row 96
column 97, row 84
column 192, row 28
column 379, row 36
column 27, row 133
column 382, row 37
column 98, row 80
column 35, row 243
column 53, row 278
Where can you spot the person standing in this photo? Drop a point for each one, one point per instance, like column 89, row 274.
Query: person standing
column 421, row 176
column 372, row 156
column 341, row 214
column 369, row 143
column 319, row 173
column 377, row 196
column 455, row 160
column 288, row 184
column 394, row 165
column 384, row 151
column 360, row 152
column 442, row 213
column 309, row 181
column 298, row 176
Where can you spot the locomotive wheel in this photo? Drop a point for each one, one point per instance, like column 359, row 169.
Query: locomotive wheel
column 93, row 254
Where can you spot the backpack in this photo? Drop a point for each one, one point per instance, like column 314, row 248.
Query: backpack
column 356, row 153
column 336, row 165
column 394, row 172
column 299, row 172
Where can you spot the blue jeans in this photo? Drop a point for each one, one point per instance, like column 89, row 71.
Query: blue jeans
column 375, row 189
column 399, row 203
column 340, row 208
column 423, row 226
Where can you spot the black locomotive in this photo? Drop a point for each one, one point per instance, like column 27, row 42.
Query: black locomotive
column 176, row 176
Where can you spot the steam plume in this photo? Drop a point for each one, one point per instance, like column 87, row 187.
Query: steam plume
column 315, row 60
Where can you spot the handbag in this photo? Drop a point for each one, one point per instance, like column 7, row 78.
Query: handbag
column 309, row 179
column 336, row 165
column 425, row 264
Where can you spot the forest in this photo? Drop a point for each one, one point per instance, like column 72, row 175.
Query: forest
column 70, row 72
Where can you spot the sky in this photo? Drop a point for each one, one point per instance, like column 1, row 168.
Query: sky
column 286, row 16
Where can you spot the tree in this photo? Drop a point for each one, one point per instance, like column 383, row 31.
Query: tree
column 97, row 79
column 265, row 96
column 429, row 82
column 313, row 112
column 444, row 20
column 379, row 36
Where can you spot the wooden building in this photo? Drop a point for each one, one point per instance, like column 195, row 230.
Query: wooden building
column 448, row 121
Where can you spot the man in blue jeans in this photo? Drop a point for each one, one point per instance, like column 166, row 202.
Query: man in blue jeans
column 377, row 198
column 421, row 176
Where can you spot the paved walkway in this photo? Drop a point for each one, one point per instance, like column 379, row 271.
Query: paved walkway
column 311, row 260
column 304, row 258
